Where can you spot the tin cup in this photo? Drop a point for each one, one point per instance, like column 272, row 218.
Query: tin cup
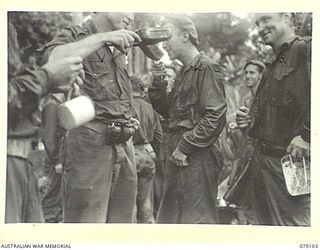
column 76, row 112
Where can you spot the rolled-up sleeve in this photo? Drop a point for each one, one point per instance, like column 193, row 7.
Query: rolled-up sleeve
column 67, row 35
column 213, row 103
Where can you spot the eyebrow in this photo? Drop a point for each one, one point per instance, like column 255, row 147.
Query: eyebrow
column 261, row 18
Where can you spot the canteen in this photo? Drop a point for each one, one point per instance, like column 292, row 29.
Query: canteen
column 75, row 112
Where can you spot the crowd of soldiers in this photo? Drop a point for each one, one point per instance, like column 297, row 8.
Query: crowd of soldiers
column 153, row 155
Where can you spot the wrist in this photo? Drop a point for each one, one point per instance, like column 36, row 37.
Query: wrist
column 184, row 147
column 47, row 80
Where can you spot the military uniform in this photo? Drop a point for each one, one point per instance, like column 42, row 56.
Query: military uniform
column 149, row 132
column 281, row 112
column 197, row 109
column 52, row 135
column 99, row 179
column 25, row 89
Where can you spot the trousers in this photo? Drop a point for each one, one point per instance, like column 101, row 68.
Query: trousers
column 268, row 198
column 22, row 193
column 146, row 168
column 52, row 199
column 190, row 192
column 99, row 178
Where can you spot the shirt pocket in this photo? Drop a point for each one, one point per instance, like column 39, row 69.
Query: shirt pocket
column 187, row 98
column 282, row 91
column 96, row 84
column 282, row 71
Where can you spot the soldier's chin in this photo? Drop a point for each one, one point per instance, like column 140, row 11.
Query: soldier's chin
column 171, row 56
column 250, row 85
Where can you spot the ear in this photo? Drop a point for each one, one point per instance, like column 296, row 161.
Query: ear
column 185, row 36
column 287, row 18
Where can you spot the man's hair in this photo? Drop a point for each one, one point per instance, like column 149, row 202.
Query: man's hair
column 292, row 16
column 184, row 24
column 261, row 66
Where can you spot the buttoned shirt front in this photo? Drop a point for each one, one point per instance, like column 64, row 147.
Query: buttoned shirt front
column 107, row 82
column 282, row 102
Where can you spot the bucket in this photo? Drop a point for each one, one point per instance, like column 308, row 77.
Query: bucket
column 76, row 112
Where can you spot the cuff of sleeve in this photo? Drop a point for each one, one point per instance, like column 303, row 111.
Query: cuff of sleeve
column 46, row 83
column 305, row 133
column 185, row 147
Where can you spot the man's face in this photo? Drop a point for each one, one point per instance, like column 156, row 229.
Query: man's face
column 119, row 20
column 252, row 75
column 272, row 27
column 174, row 45
column 170, row 77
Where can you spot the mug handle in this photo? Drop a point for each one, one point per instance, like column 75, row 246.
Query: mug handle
column 74, row 89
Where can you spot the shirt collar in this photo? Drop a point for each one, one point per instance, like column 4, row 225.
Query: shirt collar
column 195, row 61
column 194, row 64
column 288, row 43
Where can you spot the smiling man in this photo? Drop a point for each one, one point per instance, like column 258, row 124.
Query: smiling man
column 197, row 109
column 253, row 70
column 281, row 123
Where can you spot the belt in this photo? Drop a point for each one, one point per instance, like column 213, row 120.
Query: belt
column 97, row 126
column 270, row 150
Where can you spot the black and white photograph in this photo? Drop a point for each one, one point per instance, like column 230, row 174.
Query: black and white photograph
column 159, row 118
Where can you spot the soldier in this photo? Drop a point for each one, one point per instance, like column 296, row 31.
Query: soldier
column 196, row 111
column 169, row 76
column 52, row 135
column 279, row 123
column 25, row 88
column 149, row 132
column 99, row 155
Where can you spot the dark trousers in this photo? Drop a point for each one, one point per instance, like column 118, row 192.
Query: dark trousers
column 52, row 199
column 270, row 201
column 190, row 192
column 99, row 180
column 145, row 160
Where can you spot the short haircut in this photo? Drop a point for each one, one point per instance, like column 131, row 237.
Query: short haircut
column 184, row 24
column 261, row 66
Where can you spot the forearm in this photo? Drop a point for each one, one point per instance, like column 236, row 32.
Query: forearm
column 82, row 48
column 159, row 100
column 205, row 132
column 158, row 133
column 49, row 128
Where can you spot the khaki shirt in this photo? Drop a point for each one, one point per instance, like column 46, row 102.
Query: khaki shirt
column 197, row 103
column 282, row 102
column 107, row 81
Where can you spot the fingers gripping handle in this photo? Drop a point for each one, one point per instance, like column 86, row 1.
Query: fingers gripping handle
column 73, row 90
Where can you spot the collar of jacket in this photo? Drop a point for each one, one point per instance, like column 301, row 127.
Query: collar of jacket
column 195, row 64
column 286, row 45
